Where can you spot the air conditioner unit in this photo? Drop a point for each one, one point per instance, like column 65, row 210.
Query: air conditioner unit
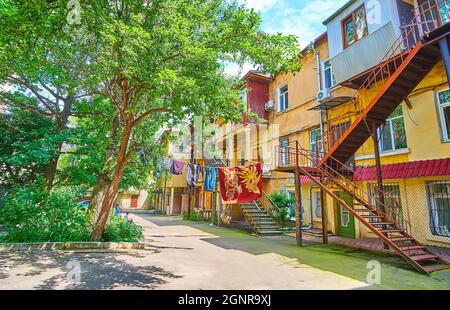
column 323, row 95
column 270, row 105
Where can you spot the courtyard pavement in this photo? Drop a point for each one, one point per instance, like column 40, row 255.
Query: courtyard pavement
column 193, row 256
column 177, row 256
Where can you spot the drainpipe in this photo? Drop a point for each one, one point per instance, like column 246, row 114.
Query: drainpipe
column 319, row 87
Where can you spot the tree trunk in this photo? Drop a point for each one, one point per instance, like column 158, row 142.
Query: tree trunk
column 50, row 172
column 112, row 189
column 103, row 178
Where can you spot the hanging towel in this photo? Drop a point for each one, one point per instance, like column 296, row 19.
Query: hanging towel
column 177, row 167
column 210, row 179
column 240, row 184
column 192, row 173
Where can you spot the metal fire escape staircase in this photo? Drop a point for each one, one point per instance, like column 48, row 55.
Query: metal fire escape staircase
column 413, row 55
column 410, row 59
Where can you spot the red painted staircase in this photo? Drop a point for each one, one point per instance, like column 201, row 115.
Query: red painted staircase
column 382, row 220
column 410, row 59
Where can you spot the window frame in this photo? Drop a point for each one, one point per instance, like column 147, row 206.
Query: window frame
column 332, row 78
column 316, row 143
column 284, row 153
column 389, row 122
column 346, row 20
column 285, row 95
column 444, row 127
column 434, row 223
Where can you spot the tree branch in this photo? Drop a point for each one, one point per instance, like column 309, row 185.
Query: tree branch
column 148, row 113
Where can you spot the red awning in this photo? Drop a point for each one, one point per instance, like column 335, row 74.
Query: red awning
column 414, row 169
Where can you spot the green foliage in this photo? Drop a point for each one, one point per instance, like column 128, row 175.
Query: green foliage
column 283, row 204
column 27, row 143
column 193, row 217
column 120, row 230
column 31, row 214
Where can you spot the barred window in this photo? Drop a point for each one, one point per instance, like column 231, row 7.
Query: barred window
column 439, row 207
column 392, row 200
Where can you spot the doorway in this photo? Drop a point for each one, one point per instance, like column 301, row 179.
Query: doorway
column 346, row 221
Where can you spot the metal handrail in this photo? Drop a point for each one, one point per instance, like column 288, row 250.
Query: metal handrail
column 423, row 22
column 333, row 174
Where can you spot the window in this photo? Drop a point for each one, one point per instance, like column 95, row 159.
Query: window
column 393, row 134
column 317, row 204
column 244, row 94
column 355, row 26
column 439, row 207
column 444, row 113
column 392, row 200
column 315, row 140
column 292, row 205
column 444, row 10
column 328, row 75
column 283, row 101
column 284, row 152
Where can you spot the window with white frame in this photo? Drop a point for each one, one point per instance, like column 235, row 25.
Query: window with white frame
column 393, row 134
column 283, row 100
column 439, row 207
column 392, row 199
column 317, row 203
column 315, row 140
column 328, row 75
column 444, row 113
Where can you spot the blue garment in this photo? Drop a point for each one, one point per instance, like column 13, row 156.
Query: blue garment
column 117, row 210
column 210, row 179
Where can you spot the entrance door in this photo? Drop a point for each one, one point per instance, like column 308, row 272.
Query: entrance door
column 134, row 201
column 346, row 221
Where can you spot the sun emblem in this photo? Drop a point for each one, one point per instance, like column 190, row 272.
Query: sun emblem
column 250, row 178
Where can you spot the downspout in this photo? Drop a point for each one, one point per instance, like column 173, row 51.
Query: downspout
column 319, row 87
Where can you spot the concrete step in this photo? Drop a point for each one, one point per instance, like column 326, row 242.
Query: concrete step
column 270, row 233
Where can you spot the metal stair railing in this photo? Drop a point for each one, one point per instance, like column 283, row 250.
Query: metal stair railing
column 427, row 17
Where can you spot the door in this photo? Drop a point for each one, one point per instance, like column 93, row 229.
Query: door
column 346, row 221
column 134, row 201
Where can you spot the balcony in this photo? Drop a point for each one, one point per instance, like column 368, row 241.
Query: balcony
column 351, row 65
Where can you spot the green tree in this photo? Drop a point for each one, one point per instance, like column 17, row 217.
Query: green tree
column 157, row 62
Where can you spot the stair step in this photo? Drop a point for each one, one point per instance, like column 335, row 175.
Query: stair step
column 425, row 257
column 433, row 268
column 270, row 232
column 399, row 239
column 363, row 210
column 381, row 223
column 390, row 230
column 412, row 248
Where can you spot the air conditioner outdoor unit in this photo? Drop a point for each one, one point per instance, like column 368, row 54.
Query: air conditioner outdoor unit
column 323, row 95
column 270, row 105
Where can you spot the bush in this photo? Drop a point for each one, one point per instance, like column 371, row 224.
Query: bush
column 31, row 214
column 193, row 217
column 120, row 230
column 283, row 210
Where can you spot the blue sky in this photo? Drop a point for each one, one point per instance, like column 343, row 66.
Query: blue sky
column 299, row 17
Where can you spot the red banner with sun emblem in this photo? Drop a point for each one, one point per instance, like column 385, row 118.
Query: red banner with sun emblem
column 240, row 184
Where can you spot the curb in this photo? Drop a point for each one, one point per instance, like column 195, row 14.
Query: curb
column 70, row 246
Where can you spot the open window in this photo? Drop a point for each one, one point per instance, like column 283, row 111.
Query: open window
column 283, row 98
column 393, row 134
column 443, row 98
column 355, row 26
column 328, row 75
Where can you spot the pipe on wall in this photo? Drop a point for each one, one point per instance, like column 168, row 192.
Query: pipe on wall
column 319, row 87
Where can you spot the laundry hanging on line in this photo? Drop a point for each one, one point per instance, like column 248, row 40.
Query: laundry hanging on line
column 240, row 184
column 192, row 174
column 210, row 179
column 177, row 167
